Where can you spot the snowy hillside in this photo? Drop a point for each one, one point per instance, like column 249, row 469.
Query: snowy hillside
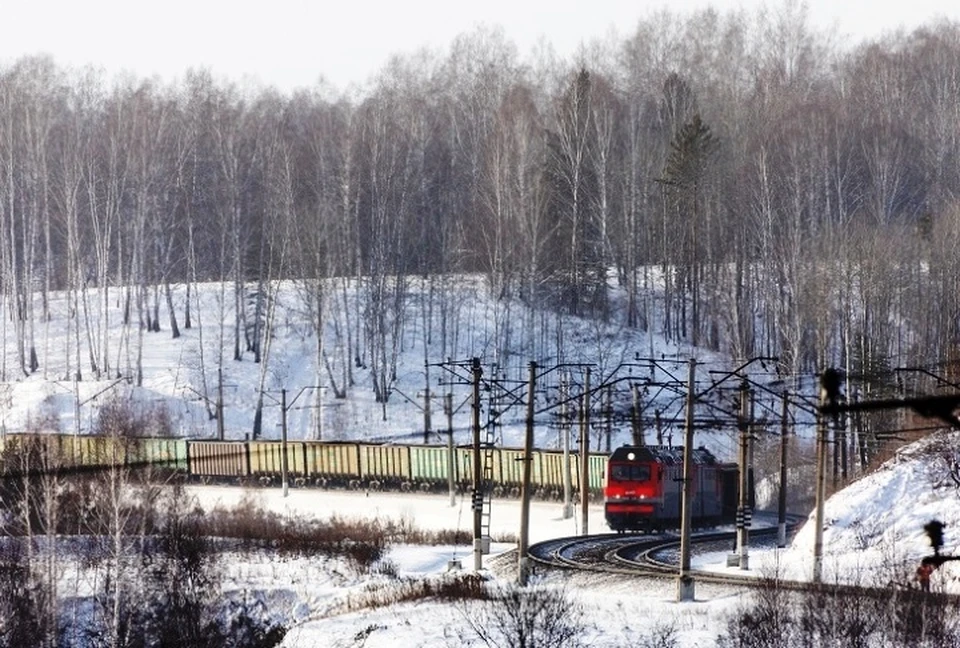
column 873, row 531
column 182, row 375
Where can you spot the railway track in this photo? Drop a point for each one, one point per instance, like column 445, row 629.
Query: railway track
column 650, row 556
column 657, row 556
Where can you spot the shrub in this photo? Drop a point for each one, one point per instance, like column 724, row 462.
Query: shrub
column 661, row 635
column 23, row 599
column 448, row 587
column 843, row 617
column 362, row 542
column 535, row 617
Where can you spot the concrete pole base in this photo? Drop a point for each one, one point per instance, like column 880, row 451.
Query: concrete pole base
column 686, row 589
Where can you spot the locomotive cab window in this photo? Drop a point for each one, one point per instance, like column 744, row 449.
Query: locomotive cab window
column 628, row 472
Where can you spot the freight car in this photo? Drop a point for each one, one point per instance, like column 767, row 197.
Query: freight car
column 645, row 483
column 384, row 466
column 321, row 463
column 90, row 453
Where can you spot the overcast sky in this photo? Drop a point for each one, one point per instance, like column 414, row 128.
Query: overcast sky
column 289, row 43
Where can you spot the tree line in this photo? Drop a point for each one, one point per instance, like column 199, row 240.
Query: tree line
column 736, row 180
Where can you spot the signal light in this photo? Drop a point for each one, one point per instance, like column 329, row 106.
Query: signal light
column 934, row 529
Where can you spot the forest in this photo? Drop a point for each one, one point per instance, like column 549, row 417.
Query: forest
column 739, row 181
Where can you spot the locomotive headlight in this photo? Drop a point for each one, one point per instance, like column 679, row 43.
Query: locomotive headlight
column 631, row 456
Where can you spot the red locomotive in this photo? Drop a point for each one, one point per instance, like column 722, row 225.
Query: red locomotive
column 645, row 484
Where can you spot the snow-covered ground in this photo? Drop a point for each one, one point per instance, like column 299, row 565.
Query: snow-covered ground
column 873, row 536
column 874, row 529
column 617, row 611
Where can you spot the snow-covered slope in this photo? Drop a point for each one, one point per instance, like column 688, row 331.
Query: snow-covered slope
column 873, row 529
column 181, row 375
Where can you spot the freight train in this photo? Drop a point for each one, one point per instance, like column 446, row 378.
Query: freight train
column 355, row 465
column 645, row 483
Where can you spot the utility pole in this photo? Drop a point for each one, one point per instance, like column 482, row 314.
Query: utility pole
column 451, row 456
column 477, row 500
column 585, row 458
column 565, row 428
column 743, row 508
column 318, row 405
column 820, row 487
column 782, row 502
column 426, row 404
column 835, row 459
column 527, row 470
column 283, row 442
column 284, row 407
column 638, row 436
column 76, row 410
column 220, row 424
column 685, row 585
column 608, row 410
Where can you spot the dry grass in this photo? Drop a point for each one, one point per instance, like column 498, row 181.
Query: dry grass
column 460, row 586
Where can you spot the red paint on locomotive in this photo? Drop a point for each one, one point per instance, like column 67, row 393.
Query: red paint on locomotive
column 643, row 489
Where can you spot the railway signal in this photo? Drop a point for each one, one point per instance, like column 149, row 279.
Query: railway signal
column 476, row 500
column 934, row 529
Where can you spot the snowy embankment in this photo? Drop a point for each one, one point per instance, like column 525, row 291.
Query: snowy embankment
column 322, row 600
column 873, row 535
column 873, row 529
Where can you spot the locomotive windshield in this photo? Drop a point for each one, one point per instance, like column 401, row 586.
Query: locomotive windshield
column 629, row 472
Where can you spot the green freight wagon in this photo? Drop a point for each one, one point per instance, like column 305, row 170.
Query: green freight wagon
column 429, row 466
column 166, row 454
